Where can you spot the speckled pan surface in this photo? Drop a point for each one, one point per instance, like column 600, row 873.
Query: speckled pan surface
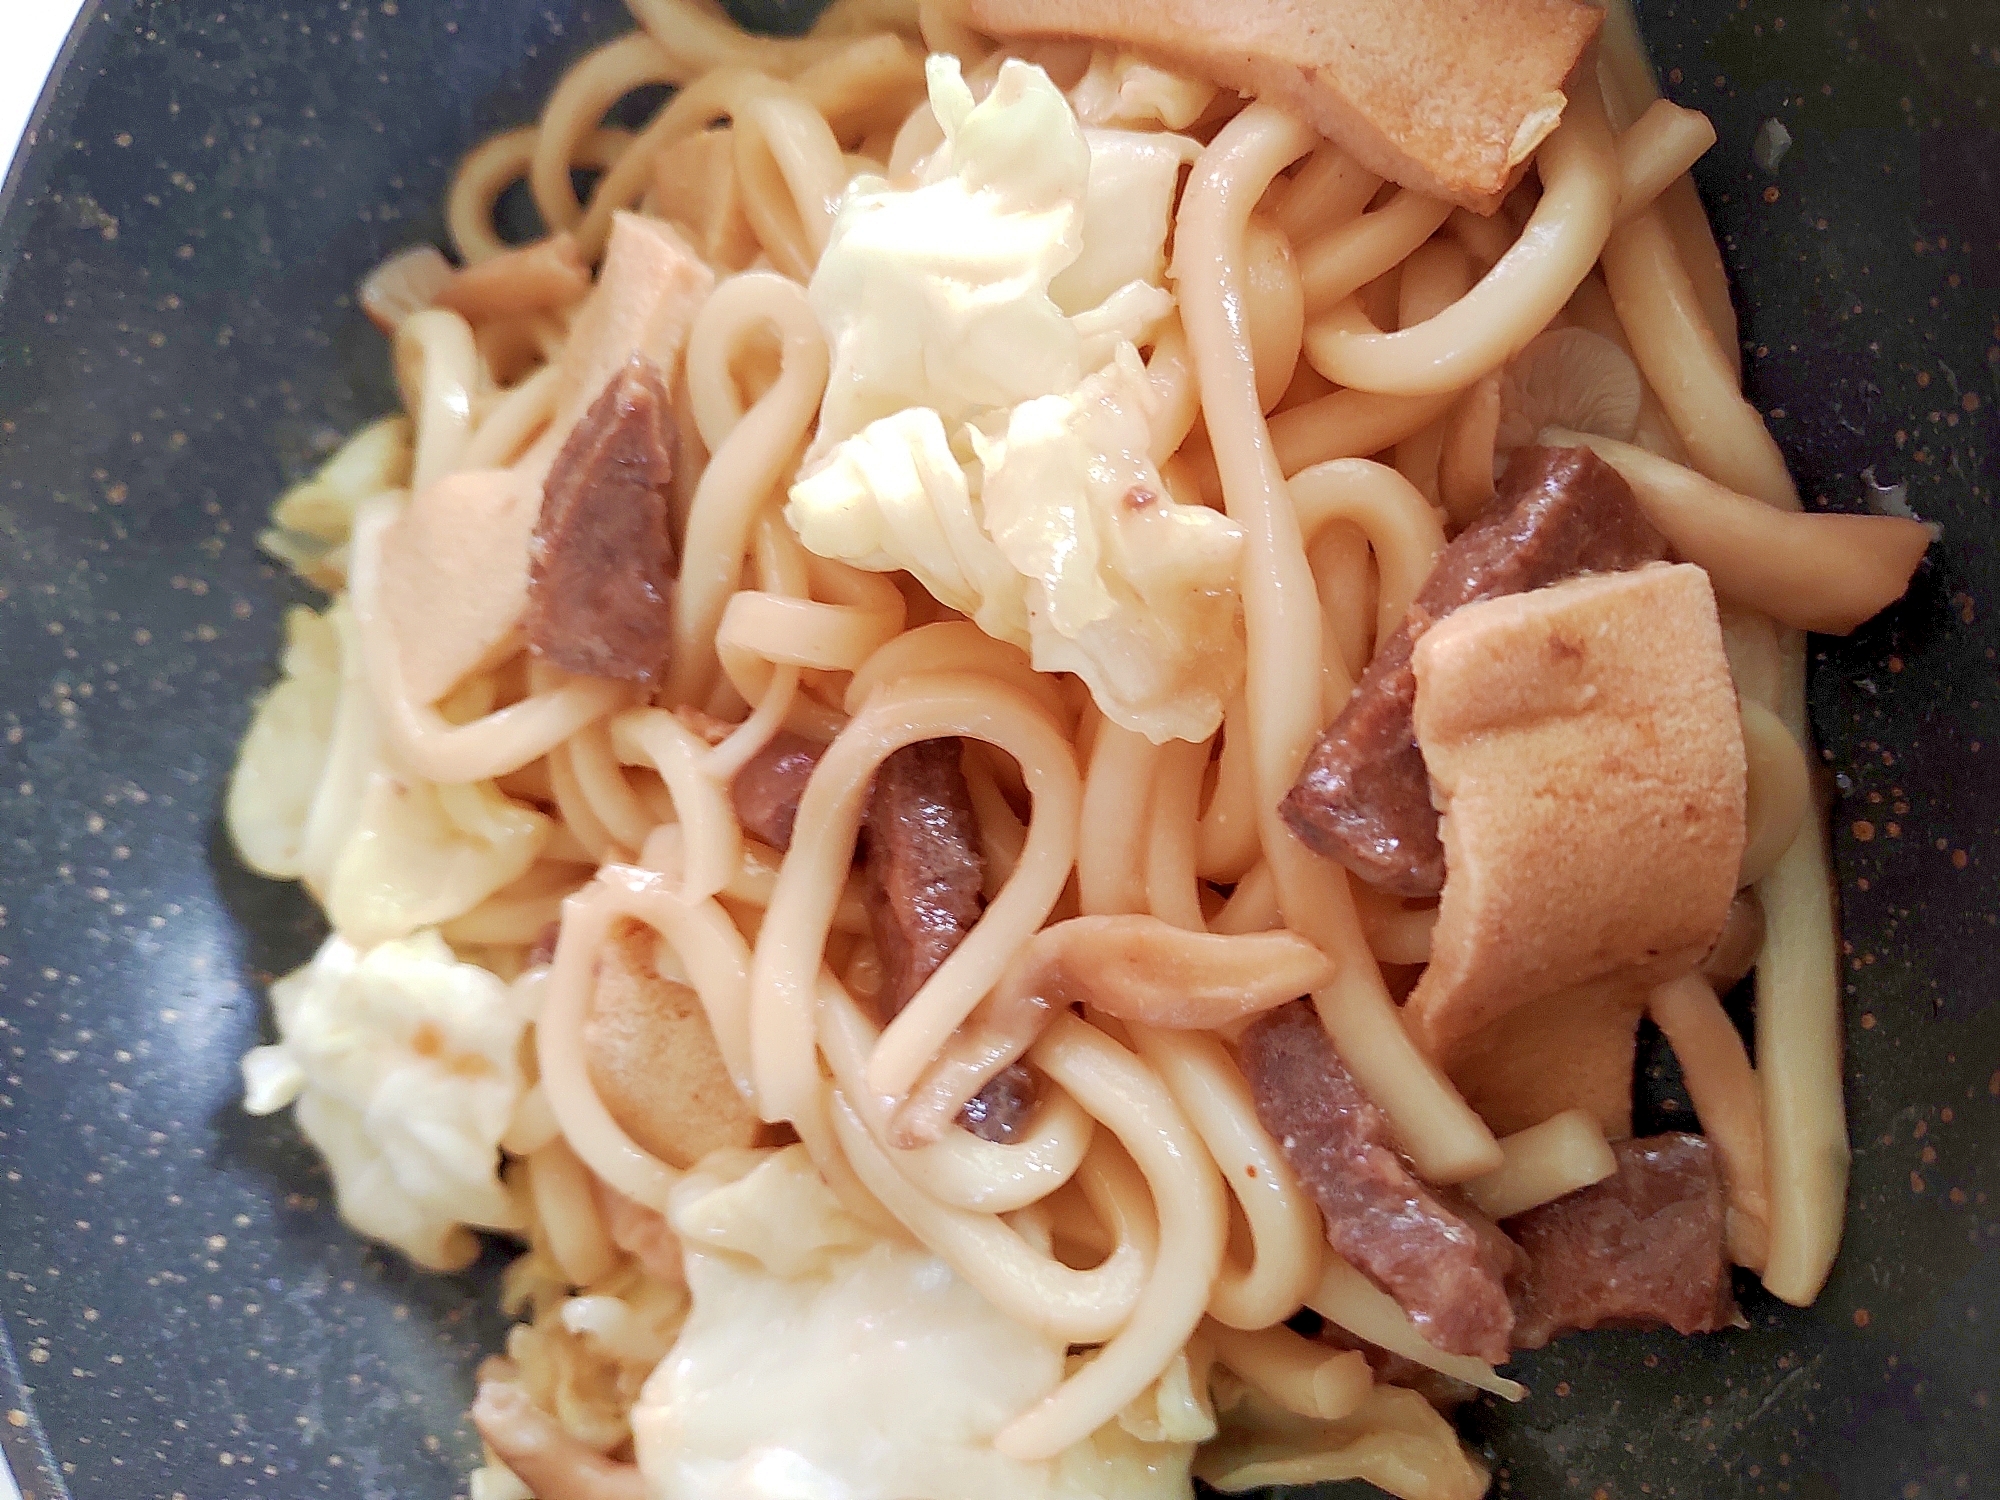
column 182, row 1313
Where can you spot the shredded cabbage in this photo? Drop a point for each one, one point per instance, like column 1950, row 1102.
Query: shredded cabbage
column 823, row 1360
column 894, row 496
column 1396, row 1441
column 987, row 423
column 1134, row 593
column 311, row 521
column 938, row 295
column 421, row 854
column 404, row 1065
column 284, row 754
column 585, row 1358
column 1120, row 89
column 316, row 797
column 1127, row 206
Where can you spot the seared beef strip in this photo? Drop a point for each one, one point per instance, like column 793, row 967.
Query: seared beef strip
column 601, row 578
column 767, row 790
column 1443, row 1262
column 1363, row 796
column 923, row 880
column 1639, row 1249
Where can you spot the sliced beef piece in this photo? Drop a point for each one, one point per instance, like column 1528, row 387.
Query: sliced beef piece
column 767, row 790
column 1000, row 1111
column 923, row 880
column 1442, row 1261
column 1639, row 1249
column 925, row 873
column 1363, row 797
column 601, row 578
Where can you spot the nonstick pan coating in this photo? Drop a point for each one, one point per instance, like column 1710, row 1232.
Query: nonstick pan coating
column 183, row 1314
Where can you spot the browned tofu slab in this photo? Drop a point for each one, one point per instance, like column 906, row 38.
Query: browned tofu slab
column 654, row 1060
column 1585, row 749
column 1445, row 96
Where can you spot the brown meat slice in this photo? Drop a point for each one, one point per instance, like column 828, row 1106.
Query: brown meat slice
column 1000, row 1111
column 1364, row 796
column 1444, row 1263
column 924, row 884
column 600, row 586
column 925, row 873
column 767, row 790
column 1636, row 1250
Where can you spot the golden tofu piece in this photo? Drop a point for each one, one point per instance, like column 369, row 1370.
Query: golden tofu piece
column 1445, row 96
column 695, row 187
column 651, row 286
column 1585, row 750
column 1572, row 1050
column 653, row 1058
column 454, row 576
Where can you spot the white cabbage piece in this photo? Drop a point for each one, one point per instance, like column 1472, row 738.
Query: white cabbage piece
column 963, row 438
column 283, row 757
column 1134, row 176
column 421, row 854
column 1111, row 1461
column 583, row 1359
column 316, row 797
column 1128, row 589
column 1071, row 546
column 404, row 1065
column 311, row 521
column 352, row 755
column 822, row 1361
column 1395, row 1441
column 304, row 767
column 938, row 295
column 1127, row 316
column 894, row 496
column 1120, row 89
column 1175, row 1408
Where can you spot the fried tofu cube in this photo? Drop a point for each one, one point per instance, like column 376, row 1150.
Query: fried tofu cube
column 1445, row 96
column 1585, row 750
column 454, row 576
column 696, row 188
column 648, row 291
column 653, row 1059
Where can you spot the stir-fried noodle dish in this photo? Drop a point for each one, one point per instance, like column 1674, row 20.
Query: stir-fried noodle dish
column 1006, row 745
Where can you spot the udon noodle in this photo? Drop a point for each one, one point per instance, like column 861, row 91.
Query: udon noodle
column 1328, row 378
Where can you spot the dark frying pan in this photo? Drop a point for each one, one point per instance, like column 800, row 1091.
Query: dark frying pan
column 183, row 1315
